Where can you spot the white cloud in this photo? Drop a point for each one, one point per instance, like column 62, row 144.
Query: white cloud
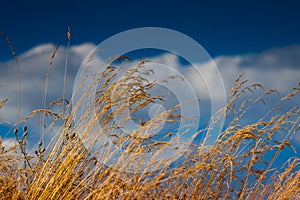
column 275, row 69
column 33, row 66
column 8, row 143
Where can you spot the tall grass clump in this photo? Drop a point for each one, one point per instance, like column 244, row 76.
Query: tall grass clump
column 238, row 166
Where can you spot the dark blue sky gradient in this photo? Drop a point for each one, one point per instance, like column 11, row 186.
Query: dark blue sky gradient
column 221, row 27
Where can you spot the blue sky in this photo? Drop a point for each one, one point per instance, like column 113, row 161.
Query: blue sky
column 222, row 27
column 259, row 38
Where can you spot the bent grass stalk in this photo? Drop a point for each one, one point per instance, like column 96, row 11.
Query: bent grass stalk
column 235, row 167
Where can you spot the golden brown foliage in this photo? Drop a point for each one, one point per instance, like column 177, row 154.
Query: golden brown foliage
column 236, row 167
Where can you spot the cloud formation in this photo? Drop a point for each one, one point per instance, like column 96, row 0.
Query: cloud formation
column 33, row 66
column 275, row 69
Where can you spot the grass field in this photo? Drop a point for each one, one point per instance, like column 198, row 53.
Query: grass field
column 236, row 167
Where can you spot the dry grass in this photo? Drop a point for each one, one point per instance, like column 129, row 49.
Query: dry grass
column 236, row 167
